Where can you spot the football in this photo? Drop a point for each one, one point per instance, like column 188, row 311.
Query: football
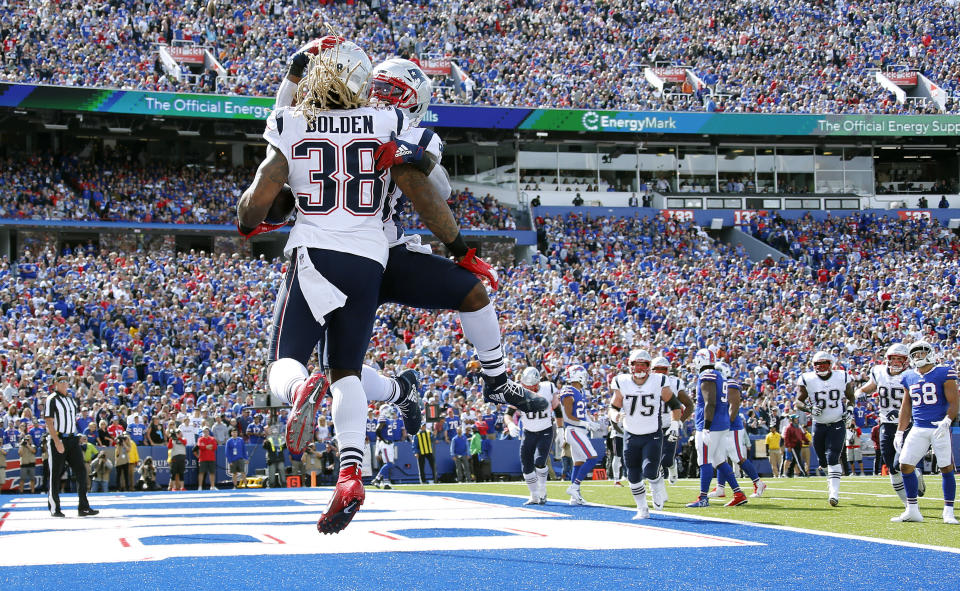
column 282, row 207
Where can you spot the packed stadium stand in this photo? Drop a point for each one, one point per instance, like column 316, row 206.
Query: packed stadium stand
column 780, row 56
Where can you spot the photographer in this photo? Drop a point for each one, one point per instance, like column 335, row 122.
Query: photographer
column 274, row 444
column 177, row 458
column 312, row 462
column 121, row 461
column 28, row 461
column 148, row 475
column 100, row 469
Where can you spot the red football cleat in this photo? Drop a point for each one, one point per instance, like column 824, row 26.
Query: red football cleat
column 348, row 495
column 306, row 403
column 738, row 499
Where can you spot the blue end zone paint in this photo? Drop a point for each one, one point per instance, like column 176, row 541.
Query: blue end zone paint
column 443, row 532
column 197, row 539
column 787, row 559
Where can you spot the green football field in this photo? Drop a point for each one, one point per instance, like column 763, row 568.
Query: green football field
column 866, row 505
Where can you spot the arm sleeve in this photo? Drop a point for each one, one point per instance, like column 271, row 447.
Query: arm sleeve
column 285, row 94
column 274, row 128
column 802, row 381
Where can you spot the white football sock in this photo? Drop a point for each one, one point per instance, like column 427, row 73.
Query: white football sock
column 897, row 481
column 283, row 376
column 532, row 484
column 639, row 492
column 542, row 481
column 834, row 472
column 482, row 329
column 349, row 419
column 378, row 387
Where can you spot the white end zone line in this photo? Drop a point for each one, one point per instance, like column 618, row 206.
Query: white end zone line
column 799, row 530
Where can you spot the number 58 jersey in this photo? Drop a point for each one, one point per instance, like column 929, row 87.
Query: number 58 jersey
column 928, row 400
column 339, row 192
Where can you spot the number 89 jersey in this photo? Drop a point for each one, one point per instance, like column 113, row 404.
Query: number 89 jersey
column 828, row 393
column 339, row 192
column 927, row 399
column 641, row 403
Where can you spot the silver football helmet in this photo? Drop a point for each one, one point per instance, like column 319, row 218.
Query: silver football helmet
column 403, row 84
column 922, row 353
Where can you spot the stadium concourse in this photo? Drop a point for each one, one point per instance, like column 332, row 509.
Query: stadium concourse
column 782, row 56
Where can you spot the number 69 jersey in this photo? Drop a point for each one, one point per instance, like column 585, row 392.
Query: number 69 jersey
column 641, row 403
column 927, row 399
column 339, row 192
column 828, row 393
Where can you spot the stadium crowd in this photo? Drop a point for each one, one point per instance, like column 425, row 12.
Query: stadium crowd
column 747, row 56
column 118, row 187
column 174, row 343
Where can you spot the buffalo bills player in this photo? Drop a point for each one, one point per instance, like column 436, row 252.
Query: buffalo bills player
column 931, row 402
column 573, row 402
column 661, row 365
column 886, row 381
column 390, row 430
column 826, row 389
column 413, row 276
column 538, row 434
column 335, row 152
column 637, row 400
column 736, row 438
column 713, row 422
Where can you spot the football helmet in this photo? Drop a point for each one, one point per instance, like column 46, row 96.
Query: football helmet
column 922, row 353
column 403, row 84
column 576, row 373
column 897, row 358
column 660, row 365
column 387, row 411
column 822, row 363
column 724, row 369
column 639, row 362
column 530, row 377
column 705, row 358
column 352, row 64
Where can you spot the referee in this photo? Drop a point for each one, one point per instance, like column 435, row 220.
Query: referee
column 423, row 447
column 63, row 445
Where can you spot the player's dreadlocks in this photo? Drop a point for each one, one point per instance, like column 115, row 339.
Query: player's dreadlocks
column 323, row 88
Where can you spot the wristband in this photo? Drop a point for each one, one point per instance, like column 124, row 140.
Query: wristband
column 298, row 65
column 458, row 246
column 706, row 424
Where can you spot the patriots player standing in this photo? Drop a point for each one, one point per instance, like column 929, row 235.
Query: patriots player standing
column 661, row 365
column 736, row 438
column 573, row 401
column 636, row 403
column 826, row 389
column 538, row 434
column 886, row 381
column 931, row 402
column 713, row 422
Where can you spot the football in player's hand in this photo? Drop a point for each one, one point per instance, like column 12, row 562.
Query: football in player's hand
column 282, row 207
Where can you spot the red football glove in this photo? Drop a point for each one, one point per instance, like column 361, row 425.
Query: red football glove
column 479, row 267
column 262, row 228
column 397, row 152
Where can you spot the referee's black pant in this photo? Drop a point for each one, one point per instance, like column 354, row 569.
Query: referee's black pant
column 73, row 456
column 433, row 467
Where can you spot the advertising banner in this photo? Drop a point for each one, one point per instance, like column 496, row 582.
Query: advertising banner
column 902, row 78
column 436, row 67
column 189, row 54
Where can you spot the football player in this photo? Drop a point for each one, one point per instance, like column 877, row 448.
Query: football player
column 736, row 438
column 538, row 434
column 637, row 401
column 573, row 402
column 412, row 271
column 931, row 402
column 389, row 431
column 886, row 381
column 339, row 157
column 827, row 394
column 713, row 422
column 661, row 365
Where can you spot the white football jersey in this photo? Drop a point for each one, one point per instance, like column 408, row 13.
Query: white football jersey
column 890, row 392
column 540, row 421
column 828, row 393
column 641, row 403
column 392, row 222
column 340, row 195
column 675, row 384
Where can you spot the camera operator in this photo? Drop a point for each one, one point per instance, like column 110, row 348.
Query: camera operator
column 121, row 461
column 28, row 463
column 177, row 446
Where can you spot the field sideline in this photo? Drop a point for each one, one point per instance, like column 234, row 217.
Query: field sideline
column 866, row 505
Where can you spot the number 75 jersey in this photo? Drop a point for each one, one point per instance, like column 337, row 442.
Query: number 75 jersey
column 927, row 399
column 339, row 192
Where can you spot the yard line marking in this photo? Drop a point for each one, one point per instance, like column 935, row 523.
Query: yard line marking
column 124, row 542
column 523, row 531
column 383, row 535
column 277, row 540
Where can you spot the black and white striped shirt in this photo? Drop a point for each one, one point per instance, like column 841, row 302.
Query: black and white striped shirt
column 63, row 410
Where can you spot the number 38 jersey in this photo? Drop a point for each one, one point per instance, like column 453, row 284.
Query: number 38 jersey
column 889, row 393
column 641, row 402
column 828, row 393
column 927, row 399
column 339, row 192
column 542, row 420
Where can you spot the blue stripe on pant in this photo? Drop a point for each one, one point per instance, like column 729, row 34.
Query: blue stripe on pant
column 828, row 442
column 642, row 455
column 534, row 449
